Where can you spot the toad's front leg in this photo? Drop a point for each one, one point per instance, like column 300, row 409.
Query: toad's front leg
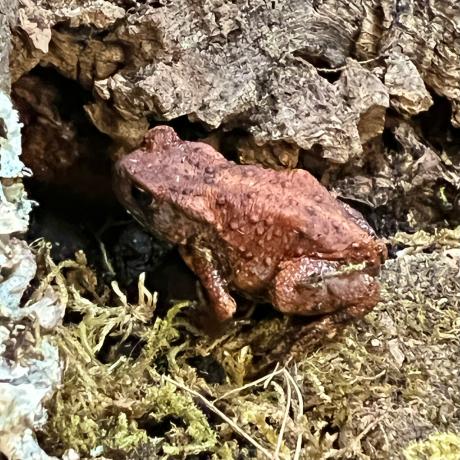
column 202, row 262
column 307, row 286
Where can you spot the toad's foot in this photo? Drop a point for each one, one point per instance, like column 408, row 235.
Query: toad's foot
column 314, row 287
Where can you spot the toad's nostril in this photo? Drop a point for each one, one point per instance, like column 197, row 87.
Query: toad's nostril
column 141, row 197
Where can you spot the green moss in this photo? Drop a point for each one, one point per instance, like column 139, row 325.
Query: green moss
column 100, row 404
column 368, row 393
column 438, row 446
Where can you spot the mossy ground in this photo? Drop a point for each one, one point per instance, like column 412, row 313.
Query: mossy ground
column 387, row 387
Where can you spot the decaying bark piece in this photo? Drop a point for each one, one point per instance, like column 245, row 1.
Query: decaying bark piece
column 405, row 86
column 8, row 9
column 249, row 64
column 295, row 78
column 427, row 34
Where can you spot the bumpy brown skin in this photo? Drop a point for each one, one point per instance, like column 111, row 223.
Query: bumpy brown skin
column 271, row 235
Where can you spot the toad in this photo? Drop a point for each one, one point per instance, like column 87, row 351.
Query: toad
column 276, row 236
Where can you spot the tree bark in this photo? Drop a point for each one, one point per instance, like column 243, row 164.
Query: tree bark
column 301, row 81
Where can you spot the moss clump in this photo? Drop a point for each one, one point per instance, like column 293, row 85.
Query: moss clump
column 100, row 405
column 387, row 381
column 438, row 446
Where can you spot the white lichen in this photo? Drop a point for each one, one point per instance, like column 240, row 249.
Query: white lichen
column 10, row 141
column 30, row 368
column 14, row 205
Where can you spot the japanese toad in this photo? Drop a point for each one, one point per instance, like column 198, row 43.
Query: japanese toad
column 276, row 236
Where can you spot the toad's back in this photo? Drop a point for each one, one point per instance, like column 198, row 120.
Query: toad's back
column 248, row 209
column 287, row 211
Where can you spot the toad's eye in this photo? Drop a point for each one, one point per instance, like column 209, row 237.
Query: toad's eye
column 141, row 197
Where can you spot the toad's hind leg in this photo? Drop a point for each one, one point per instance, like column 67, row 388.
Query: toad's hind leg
column 313, row 287
column 202, row 262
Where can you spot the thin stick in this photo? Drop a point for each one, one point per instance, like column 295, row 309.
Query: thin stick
column 285, row 417
column 211, row 406
column 298, row 392
column 105, row 259
column 271, row 376
column 298, row 448
column 251, row 384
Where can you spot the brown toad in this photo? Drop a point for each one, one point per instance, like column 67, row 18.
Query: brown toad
column 278, row 236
